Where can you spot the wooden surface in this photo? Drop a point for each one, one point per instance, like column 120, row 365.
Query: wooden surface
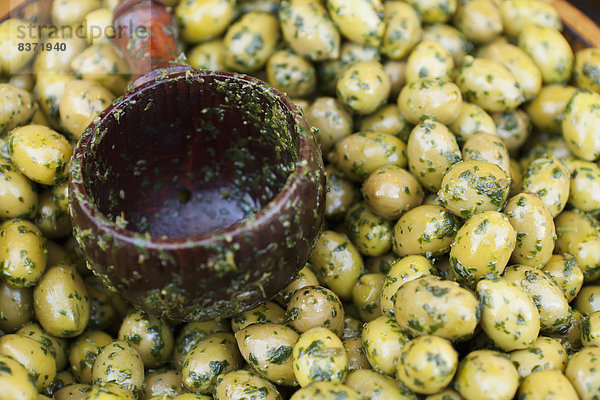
column 7, row 5
column 577, row 23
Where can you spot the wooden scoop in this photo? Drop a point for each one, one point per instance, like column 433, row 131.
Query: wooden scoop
column 198, row 194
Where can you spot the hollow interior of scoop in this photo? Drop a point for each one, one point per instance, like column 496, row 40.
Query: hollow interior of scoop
column 190, row 157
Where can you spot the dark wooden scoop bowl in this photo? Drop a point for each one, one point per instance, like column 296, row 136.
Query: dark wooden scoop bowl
column 198, row 194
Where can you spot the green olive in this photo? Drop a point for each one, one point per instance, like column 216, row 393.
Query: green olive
column 191, row 334
column 371, row 233
column 565, row 271
column 325, row 391
column 383, row 340
column 431, row 306
column 119, row 362
column 319, row 355
column 150, row 336
column 332, row 120
column 402, row 31
column 337, row 263
column 587, row 68
column 16, row 307
column 547, row 384
column 546, row 110
column 375, row 386
column 549, row 50
column 242, row 383
column 479, row 20
column 364, row 87
column 15, row 380
column 268, row 350
column 486, row 375
column 436, row 98
column 544, row 353
column 583, row 371
column 23, row 255
column 163, row 382
column 366, row 295
column 315, row 306
column 267, row 312
column 83, row 353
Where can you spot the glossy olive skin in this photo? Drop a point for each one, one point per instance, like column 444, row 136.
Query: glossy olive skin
column 544, row 353
column 482, row 247
column 383, row 341
column 16, row 381
column 120, row 363
column 268, row 349
column 150, row 336
column 456, row 310
column 582, row 371
column 486, row 375
column 315, row 306
column 83, row 352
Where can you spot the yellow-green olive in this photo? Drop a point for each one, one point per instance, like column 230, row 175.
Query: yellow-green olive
column 208, row 55
column 83, row 353
column 81, row 102
column 268, row 348
column 577, row 234
column 549, row 50
column 119, row 362
column 150, row 336
column 337, row 263
column 315, row 306
column 98, row 26
column 72, row 12
column 23, row 256
column 489, row 84
column 451, row 38
column 319, row 355
column 479, row 20
column 587, row 69
column 40, row 153
column 59, row 61
column 375, row 386
column 402, row 29
column 544, row 353
column 429, row 59
column 401, row 271
column 305, row 277
column 366, row 295
column 332, row 120
column 102, row 64
column 508, row 314
column 447, row 394
column 352, row 326
column 267, row 312
column 316, row 38
column 518, row 62
column 16, row 307
column 431, row 150
column 110, row 391
column 590, row 331
column 215, row 355
column 18, row 197
column 535, row 230
column 250, row 41
column 565, row 271
column 381, row 263
column 341, row 194
column 471, row 119
column 513, row 127
column 427, row 364
column 244, row 384
column 193, row 333
column 518, row 13
column 436, row 98
column 102, row 313
column 383, row 341
column 52, row 220
column 585, row 185
column 202, row 20
column 371, row 233
column 588, row 299
column 13, row 57
column 291, row 73
column 486, row 147
column 358, row 20
column 356, row 354
column 163, row 383
column 15, row 380
column 470, row 187
column 61, row 302
column 56, row 346
column 50, row 87
column 396, row 71
column 427, row 230
column 551, row 147
column 583, row 371
column 546, row 110
column 549, row 179
column 386, row 120
column 32, row 355
column 76, row 391
column 17, row 107
column 570, row 338
column 516, row 177
column 579, row 122
column 391, row 190
column 325, row 391
column 486, row 375
column 361, row 153
column 547, row 385
column 552, row 304
column 364, row 87
column 431, row 306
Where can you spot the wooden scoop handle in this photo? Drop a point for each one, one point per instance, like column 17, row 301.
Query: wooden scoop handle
column 146, row 33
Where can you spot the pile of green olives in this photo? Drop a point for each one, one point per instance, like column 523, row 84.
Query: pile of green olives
column 460, row 257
